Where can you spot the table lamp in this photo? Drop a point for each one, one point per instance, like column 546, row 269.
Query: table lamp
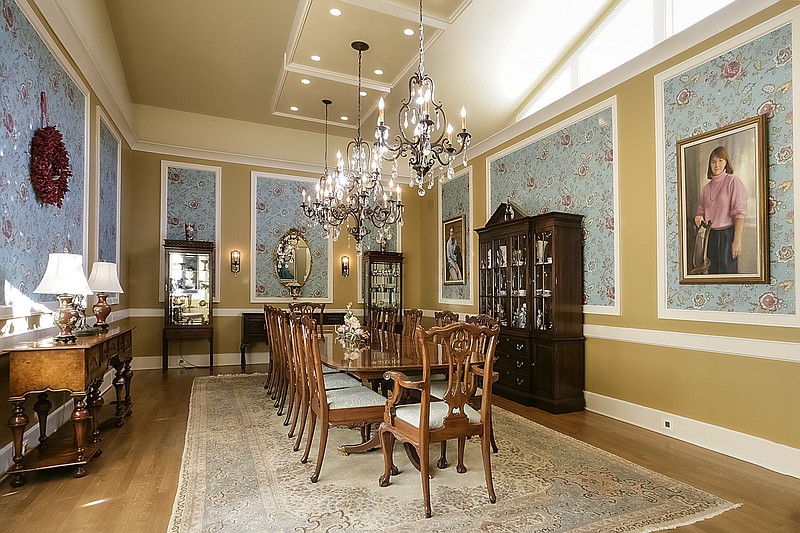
column 64, row 277
column 103, row 280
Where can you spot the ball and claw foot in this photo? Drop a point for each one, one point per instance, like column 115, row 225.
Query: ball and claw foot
column 461, row 469
column 383, row 481
column 442, row 463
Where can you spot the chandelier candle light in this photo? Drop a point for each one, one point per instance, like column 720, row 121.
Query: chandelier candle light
column 424, row 135
column 355, row 194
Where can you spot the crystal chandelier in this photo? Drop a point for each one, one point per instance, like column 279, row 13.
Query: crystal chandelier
column 354, row 194
column 424, row 135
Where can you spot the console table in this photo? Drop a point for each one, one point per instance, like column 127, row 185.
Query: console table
column 253, row 330
column 78, row 368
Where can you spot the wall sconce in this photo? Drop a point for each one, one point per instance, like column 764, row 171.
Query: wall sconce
column 345, row 266
column 236, row 261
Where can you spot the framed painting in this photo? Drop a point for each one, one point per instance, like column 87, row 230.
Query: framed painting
column 722, row 204
column 454, row 233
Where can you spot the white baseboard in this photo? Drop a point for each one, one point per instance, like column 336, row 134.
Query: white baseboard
column 153, row 362
column 777, row 457
column 57, row 418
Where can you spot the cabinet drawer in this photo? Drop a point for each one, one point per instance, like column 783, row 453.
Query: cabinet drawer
column 512, row 380
column 510, row 361
column 512, row 345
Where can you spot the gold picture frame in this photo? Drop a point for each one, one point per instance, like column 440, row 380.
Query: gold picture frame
column 733, row 248
column 454, row 236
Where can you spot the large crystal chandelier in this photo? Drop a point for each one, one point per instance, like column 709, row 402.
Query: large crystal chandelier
column 424, row 135
column 354, row 194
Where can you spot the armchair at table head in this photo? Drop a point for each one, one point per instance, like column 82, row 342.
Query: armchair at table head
column 470, row 351
column 445, row 317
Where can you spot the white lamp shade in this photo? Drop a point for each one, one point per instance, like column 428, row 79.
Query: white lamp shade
column 104, row 278
column 64, row 275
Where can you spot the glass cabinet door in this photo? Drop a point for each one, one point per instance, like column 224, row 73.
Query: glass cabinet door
column 518, row 272
column 188, row 287
column 543, row 279
column 385, row 284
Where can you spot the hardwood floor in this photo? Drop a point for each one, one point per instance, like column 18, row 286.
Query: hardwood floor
column 131, row 487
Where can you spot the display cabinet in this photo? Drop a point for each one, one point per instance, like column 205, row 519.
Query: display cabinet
column 188, row 294
column 382, row 281
column 530, row 272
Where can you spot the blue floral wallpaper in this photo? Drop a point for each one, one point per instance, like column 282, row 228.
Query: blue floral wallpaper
column 276, row 210
column 109, row 189
column 755, row 78
column 31, row 230
column 570, row 170
column 191, row 199
column 455, row 202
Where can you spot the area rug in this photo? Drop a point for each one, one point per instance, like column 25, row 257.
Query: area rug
column 239, row 474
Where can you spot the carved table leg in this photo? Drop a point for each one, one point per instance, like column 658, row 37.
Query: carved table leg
column 17, row 422
column 128, row 374
column 80, row 419
column 42, row 408
column 95, row 402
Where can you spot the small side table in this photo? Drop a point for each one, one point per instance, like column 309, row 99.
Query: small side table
column 253, row 330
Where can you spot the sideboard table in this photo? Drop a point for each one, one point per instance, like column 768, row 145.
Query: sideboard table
column 78, row 368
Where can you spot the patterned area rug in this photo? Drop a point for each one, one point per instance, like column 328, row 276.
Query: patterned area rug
column 239, row 474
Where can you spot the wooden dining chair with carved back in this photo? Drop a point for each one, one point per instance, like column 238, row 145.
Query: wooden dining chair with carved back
column 332, row 379
column 315, row 310
column 411, row 319
column 445, row 317
column 482, row 319
column 430, row 421
column 278, row 381
column 349, row 407
column 272, row 372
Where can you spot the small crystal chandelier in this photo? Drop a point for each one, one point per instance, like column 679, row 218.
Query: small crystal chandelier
column 422, row 137
column 354, row 194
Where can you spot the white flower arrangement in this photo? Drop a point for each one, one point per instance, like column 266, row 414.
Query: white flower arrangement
column 350, row 334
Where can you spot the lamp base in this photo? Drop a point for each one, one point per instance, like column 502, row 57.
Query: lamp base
column 101, row 310
column 66, row 317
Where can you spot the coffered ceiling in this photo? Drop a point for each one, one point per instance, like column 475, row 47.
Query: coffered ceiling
column 247, row 59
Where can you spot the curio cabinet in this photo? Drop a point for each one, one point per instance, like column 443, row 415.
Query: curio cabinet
column 530, row 271
column 382, row 281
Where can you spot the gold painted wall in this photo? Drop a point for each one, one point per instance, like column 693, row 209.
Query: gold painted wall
column 751, row 395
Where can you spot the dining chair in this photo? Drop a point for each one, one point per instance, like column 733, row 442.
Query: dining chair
column 350, row 407
column 382, row 318
column 445, row 317
column 439, row 389
column 315, row 310
column 411, row 319
column 419, row 425
column 332, row 379
column 278, row 383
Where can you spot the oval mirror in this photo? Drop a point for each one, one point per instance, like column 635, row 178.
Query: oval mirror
column 292, row 259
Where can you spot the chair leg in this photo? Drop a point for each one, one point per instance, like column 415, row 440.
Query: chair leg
column 442, row 462
column 387, row 447
column 491, row 437
column 460, row 468
column 487, row 464
column 290, row 408
column 303, row 417
column 296, row 412
column 424, row 471
column 304, row 459
column 323, row 441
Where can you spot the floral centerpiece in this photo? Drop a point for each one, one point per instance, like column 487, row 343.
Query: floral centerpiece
column 350, row 334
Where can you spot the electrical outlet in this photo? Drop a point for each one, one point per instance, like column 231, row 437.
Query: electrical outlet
column 667, row 424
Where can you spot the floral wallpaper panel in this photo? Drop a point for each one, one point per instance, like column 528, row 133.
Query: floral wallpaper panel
column 191, row 199
column 276, row 210
column 751, row 79
column 455, row 201
column 108, row 217
column 30, row 229
column 569, row 170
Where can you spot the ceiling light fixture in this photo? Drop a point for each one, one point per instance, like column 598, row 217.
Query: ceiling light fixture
column 294, row 108
column 335, row 12
column 316, row 58
column 378, row 71
column 356, row 194
column 424, row 135
column 408, row 31
column 305, row 81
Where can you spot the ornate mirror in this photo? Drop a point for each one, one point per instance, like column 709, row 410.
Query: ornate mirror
column 292, row 260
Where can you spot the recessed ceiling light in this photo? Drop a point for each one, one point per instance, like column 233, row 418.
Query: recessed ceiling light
column 363, row 93
column 343, row 117
column 305, row 81
column 408, row 31
column 316, row 58
column 335, row 12
column 294, row 108
column 378, row 71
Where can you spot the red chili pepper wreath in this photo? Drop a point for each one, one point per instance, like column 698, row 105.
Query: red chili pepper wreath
column 50, row 168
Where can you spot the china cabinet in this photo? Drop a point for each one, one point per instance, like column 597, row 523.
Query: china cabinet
column 530, row 280
column 188, row 294
column 382, row 281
